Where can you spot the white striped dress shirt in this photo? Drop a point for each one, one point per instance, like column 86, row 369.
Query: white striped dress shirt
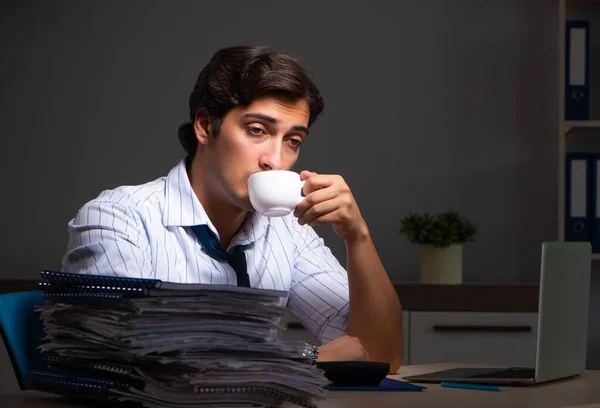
column 144, row 231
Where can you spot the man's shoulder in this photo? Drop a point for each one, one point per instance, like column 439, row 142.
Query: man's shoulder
column 134, row 197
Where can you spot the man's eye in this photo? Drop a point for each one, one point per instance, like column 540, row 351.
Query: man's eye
column 295, row 142
column 253, row 130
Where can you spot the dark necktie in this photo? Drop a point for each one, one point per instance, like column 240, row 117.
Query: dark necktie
column 236, row 258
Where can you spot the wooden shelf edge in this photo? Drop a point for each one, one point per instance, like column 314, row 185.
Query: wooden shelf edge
column 468, row 297
column 582, row 2
column 580, row 124
column 17, row 285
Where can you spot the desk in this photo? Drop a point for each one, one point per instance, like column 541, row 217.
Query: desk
column 580, row 392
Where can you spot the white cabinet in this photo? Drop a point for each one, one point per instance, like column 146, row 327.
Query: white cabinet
column 507, row 339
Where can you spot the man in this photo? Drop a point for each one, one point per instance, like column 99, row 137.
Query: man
column 250, row 110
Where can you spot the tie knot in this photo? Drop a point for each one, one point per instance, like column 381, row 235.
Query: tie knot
column 236, row 258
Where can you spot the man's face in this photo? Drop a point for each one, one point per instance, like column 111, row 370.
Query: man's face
column 266, row 135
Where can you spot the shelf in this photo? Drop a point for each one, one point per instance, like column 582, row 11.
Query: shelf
column 573, row 135
column 580, row 124
column 583, row 2
column 583, row 123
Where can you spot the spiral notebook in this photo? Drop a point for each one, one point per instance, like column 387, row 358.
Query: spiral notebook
column 115, row 383
column 115, row 287
column 114, row 391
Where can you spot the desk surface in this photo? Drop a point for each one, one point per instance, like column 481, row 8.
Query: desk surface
column 580, row 392
column 577, row 391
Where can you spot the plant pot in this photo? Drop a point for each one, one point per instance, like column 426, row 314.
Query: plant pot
column 441, row 265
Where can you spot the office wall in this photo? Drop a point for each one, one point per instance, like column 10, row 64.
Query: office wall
column 429, row 105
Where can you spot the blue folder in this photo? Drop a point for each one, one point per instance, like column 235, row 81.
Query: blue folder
column 577, row 70
column 594, row 203
column 578, row 174
column 387, row 384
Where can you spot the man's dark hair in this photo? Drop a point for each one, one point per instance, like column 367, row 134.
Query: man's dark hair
column 236, row 76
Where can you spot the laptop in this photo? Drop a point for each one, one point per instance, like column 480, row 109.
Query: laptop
column 563, row 311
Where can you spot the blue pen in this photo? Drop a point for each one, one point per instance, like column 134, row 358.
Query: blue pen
column 465, row 386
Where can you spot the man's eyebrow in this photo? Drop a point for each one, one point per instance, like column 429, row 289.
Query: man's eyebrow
column 271, row 119
column 262, row 116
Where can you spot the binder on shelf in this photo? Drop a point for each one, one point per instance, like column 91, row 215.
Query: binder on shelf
column 577, row 92
column 577, row 197
column 595, row 203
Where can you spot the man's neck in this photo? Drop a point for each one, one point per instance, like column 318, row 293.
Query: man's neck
column 226, row 217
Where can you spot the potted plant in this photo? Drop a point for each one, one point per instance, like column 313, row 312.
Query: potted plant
column 441, row 239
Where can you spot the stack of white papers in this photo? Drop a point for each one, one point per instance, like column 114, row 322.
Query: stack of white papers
column 216, row 346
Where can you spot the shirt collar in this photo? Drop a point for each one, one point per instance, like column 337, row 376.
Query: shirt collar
column 183, row 209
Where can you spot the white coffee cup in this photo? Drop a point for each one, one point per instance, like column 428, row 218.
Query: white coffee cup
column 275, row 193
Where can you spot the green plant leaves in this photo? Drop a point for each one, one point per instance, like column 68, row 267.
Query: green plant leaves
column 441, row 230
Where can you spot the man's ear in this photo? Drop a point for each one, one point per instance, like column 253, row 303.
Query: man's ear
column 202, row 126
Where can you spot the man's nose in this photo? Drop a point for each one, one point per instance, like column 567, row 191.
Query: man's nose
column 271, row 158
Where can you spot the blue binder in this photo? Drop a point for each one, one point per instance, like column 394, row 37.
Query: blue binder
column 594, row 189
column 577, row 197
column 577, row 95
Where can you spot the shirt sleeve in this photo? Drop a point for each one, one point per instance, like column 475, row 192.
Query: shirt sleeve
column 106, row 237
column 319, row 294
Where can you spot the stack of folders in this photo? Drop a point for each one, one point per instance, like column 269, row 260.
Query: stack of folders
column 157, row 344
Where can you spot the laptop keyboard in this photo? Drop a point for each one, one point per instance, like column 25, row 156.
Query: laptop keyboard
column 508, row 373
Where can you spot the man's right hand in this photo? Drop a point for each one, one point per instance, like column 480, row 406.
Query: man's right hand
column 345, row 348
